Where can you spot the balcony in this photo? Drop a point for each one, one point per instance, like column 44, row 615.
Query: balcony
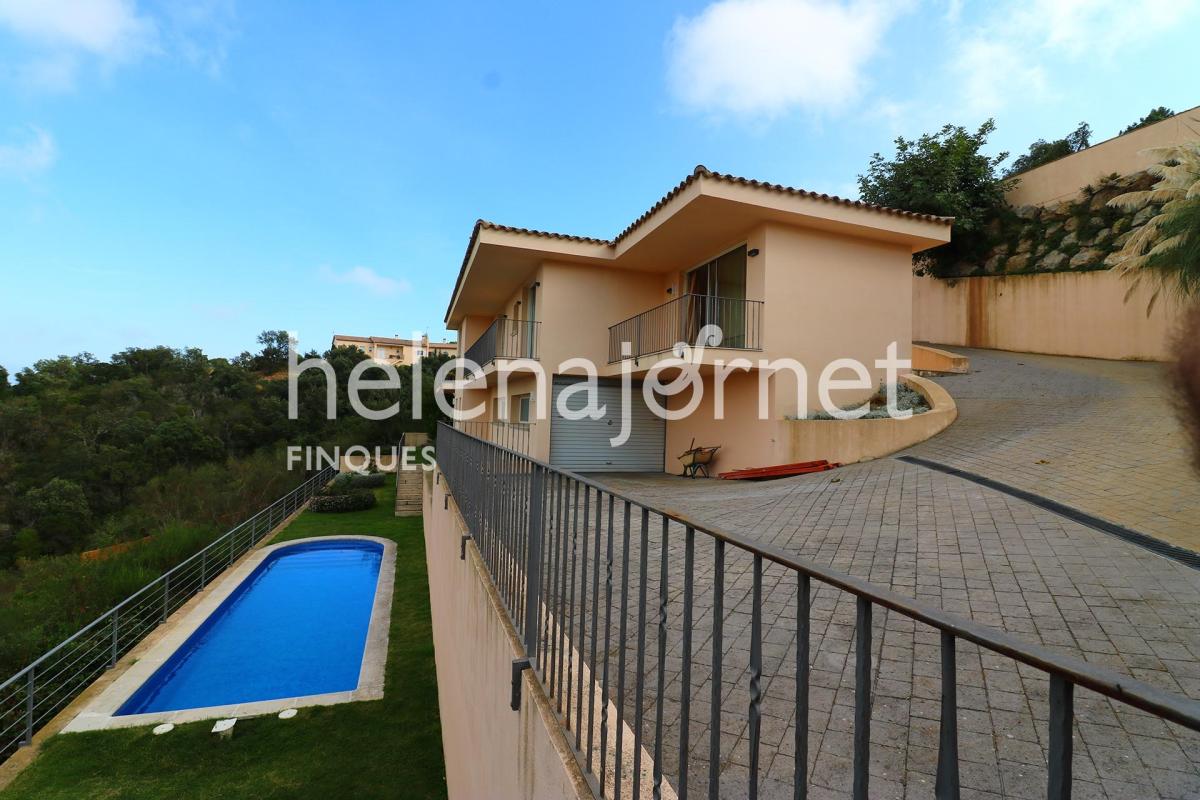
column 505, row 339
column 680, row 320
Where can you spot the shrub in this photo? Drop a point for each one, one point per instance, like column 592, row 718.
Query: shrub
column 349, row 481
column 353, row 500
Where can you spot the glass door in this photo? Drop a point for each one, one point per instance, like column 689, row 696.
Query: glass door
column 715, row 295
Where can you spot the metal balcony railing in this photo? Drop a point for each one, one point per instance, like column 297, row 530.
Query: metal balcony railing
column 622, row 605
column 505, row 338
column 682, row 319
column 513, row 435
column 35, row 694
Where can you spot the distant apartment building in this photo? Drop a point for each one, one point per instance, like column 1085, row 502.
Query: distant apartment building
column 388, row 350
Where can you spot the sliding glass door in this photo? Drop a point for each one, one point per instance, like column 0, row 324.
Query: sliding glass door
column 715, row 295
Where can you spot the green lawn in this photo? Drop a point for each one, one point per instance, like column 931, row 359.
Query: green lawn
column 387, row 748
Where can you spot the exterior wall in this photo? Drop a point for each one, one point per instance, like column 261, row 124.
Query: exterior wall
column 829, row 297
column 490, row 750
column 745, row 440
column 1060, row 313
column 578, row 303
column 1062, row 179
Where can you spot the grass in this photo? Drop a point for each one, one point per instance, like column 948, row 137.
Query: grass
column 385, row 748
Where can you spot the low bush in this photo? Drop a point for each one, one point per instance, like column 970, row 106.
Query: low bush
column 351, row 500
column 347, row 482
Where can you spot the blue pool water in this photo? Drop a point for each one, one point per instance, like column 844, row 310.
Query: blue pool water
column 295, row 626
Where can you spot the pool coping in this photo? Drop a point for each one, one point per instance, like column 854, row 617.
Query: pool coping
column 100, row 713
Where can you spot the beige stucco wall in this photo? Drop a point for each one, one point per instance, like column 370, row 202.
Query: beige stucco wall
column 848, row 441
column 931, row 359
column 744, row 439
column 1062, row 179
column 828, row 297
column 490, row 750
column 1061, row 313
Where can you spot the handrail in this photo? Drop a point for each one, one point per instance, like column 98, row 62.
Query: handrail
column 494, row 342
column 141, row 611
column 681, row 320
column 484, row 476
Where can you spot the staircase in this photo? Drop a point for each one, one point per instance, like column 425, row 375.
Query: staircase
column 408, row 492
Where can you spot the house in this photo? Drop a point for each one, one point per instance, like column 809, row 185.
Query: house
column 388, row 350
column 785, row 273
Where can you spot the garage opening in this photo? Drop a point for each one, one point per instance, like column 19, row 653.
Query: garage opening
column 582, row 445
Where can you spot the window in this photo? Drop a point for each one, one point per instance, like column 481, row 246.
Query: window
column 524, row 402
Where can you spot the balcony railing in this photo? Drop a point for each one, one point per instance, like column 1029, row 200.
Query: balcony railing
column 622, row 604
column 506, row 338
column 513, row 435
column 682, row 319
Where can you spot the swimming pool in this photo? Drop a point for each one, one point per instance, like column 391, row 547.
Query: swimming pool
column 296, row 624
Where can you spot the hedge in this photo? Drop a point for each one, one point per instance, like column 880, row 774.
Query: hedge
column 353, row 500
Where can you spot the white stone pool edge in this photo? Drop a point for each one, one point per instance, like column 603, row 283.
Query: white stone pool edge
column 100, row 714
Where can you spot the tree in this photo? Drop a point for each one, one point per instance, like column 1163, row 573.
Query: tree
column 273, row 356
column 1155, row 115
column 1043, row 152
column 1167, row 248
column 3, row 382
column 944, row 173
column 59, row 513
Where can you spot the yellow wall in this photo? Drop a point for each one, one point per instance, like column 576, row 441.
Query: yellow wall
column 1060, row 313
column 1062, row 179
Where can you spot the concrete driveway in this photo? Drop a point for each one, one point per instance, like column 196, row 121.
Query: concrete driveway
column 1097, row 436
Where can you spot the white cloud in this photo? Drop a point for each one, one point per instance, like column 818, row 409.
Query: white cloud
column 60, row 38
column 1003, row 58
column 37, row 153
column 766, row 57
column 366, row 278
column 112, row 29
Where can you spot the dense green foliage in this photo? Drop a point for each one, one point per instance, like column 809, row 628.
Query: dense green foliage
column 351, row 500
column 1155, row 115
column 944, row 173
column 1043, row 152
column 381, row 749
column 82, row 441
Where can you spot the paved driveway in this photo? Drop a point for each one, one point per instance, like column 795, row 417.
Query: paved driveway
column 1100, row 436
column 1047, row 425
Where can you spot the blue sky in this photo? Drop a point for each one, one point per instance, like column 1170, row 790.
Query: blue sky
column 191, row 173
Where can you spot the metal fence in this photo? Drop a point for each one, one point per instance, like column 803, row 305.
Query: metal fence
column 681, row 320
column 35, row 694
column 513, row 435
column 622, row 611
column 505, row 338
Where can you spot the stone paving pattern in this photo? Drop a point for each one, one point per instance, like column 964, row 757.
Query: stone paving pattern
column 1100, row 436
column 955, row 545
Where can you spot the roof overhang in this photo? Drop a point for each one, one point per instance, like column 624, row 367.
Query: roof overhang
column 704, row 212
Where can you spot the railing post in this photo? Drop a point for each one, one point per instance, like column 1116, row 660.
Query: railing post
column 533, row 561
column 1062, row 712
column 29, row 684
column 166, row 595
column 946, row 785
column 112, row 657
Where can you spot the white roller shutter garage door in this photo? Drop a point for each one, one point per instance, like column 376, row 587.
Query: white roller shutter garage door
column 582, row 445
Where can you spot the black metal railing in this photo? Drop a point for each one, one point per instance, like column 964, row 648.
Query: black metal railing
column 505, row 338
column 513, row 435
column 682, row 320
column 610, row 598
column 35, row 694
